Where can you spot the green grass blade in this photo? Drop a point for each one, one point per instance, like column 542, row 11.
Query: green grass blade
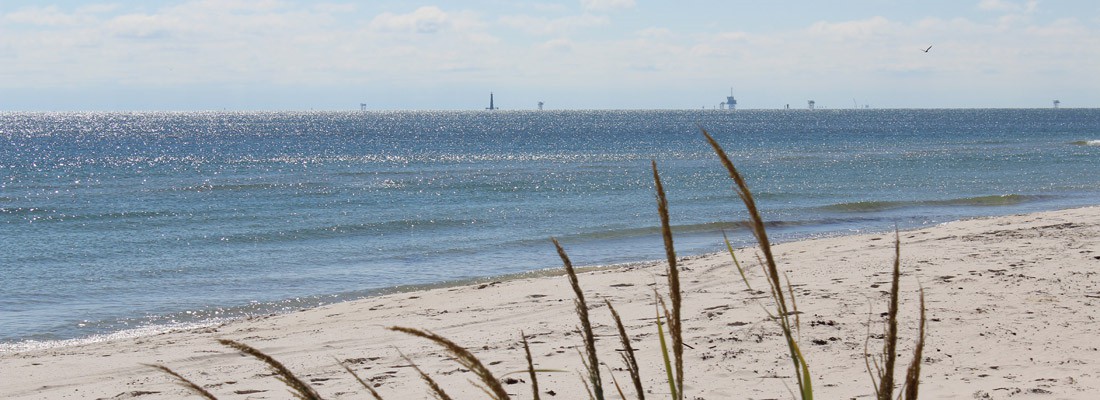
column 771, row 267
column 664, row 352
column 756, row 221
column 805, row 387
column 794, row 306
column 735, row 262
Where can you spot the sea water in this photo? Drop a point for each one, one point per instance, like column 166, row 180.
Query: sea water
column 134, row 222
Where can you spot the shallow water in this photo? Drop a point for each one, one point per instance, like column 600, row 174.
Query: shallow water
column 116, row 221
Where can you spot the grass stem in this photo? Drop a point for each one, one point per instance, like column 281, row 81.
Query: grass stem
column 191, row 386
column 593, row 362
column 298, row 388
column 465, row 358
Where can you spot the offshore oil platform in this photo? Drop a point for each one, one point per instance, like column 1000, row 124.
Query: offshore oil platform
column 730, row 103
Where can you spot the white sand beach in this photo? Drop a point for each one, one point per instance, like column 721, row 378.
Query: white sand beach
column 1012, row 313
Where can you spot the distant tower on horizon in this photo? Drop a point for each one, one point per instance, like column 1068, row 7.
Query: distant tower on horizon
column 491, row 106
column 731, row 103
column 540, row 106
column 810, row 104
column 1057, row 103
column 362, row 106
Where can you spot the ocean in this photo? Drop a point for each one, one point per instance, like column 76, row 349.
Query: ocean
column 131, row 223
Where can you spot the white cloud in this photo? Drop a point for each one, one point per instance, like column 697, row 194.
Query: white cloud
column 558, row 45
column 1031, row 6
column 1067, row 28
column 44, row 16
column 552, row 26
column 548, row 7
column 654, row 33
column 607, row 5
column 210, row 43
column 1008, row 6
column 848, row 30
column 429, row 19
column 998, row 5
column 97, row 8
column 335, row 7
column 142, row 25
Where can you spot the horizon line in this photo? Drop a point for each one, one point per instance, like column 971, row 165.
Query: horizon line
column 536, row 110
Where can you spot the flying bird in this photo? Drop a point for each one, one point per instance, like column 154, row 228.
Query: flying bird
column 926, row 50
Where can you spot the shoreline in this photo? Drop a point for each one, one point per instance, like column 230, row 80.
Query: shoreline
column 779, row 234
column 167, row 328
column 1009, row 300
column 159, row 329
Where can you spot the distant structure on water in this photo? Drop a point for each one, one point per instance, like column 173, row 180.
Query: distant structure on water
column 491, row 106
column 730, row 103
column 810, row 104
column 1057, row 103
column 540, row 106
column 362, row 106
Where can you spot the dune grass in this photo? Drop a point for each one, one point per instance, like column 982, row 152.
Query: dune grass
column 299, row 388
column 628, row 358
column 883, row 376
column 437, row 390
column 591, row 360
column 464, row 357
column 187, row 384
column 530, row 368
column 784, row 312
column 370, row 389
column 674, row 293
column 782, row 315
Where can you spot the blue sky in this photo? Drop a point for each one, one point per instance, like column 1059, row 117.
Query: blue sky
column 599, row 54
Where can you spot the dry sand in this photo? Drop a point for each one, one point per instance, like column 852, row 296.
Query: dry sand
column 1011, row 306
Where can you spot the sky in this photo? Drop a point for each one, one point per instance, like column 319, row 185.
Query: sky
column 128, row 55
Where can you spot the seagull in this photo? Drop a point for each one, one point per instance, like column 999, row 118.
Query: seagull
column 926, row 50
